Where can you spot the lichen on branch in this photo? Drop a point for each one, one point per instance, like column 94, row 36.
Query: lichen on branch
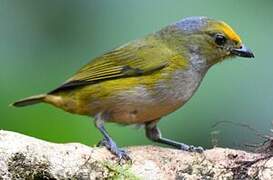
column 24, row 157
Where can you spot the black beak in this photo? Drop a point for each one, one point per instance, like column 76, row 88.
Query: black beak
column 243, row 52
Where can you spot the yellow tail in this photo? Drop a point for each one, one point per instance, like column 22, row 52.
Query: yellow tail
column 29, row 101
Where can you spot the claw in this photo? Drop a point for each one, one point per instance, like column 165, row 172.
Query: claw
column 122, row 155
column 198, row 149
column 111, row 146
column 191, row 148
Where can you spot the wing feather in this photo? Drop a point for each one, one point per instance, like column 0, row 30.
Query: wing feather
column 134, row 59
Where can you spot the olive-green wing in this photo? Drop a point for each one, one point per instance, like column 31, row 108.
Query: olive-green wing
column 134, row 59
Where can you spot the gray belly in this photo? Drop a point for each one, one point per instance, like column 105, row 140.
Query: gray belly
column 142, row 104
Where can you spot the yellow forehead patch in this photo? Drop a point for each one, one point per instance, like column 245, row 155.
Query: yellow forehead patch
column 228, row 31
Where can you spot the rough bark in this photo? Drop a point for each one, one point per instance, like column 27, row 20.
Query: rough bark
column 24, row 157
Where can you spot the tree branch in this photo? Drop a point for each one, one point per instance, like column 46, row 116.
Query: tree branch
column 24, row 157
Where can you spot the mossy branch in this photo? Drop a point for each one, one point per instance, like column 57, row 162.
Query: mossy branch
column 24, row 157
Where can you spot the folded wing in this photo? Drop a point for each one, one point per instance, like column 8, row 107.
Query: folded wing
column 134, row 59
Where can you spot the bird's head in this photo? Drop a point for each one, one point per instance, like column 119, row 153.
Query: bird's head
column 212, row 39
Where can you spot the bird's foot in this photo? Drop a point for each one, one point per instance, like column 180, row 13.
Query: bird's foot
column 112, row 146
column 198, row 149
column 191, row 148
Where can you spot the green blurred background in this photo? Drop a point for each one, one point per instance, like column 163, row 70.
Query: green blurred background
column 42, row 43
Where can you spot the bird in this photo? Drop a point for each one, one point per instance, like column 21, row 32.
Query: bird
column 146, row 79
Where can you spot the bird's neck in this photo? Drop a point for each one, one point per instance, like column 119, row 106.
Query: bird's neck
column 197, row 61
column 185, row 47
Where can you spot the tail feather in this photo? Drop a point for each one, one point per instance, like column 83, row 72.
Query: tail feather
column 29, row 101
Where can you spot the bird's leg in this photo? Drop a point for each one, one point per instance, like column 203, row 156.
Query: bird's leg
column 107, row 141
column 153, row 133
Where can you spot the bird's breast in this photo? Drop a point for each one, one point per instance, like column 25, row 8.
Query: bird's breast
column 143, row 103
column 181, row 85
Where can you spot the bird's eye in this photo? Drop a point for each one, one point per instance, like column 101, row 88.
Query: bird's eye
column 220, row 39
